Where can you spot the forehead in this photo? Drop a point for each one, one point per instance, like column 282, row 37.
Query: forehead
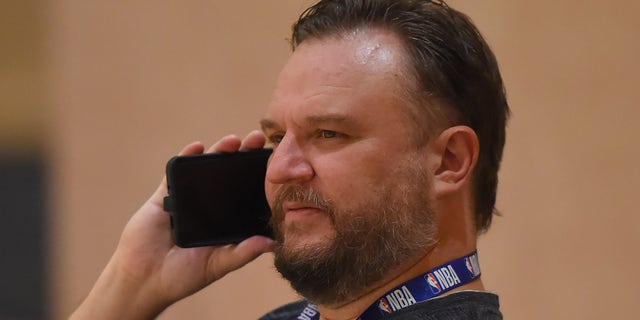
column 361, row 68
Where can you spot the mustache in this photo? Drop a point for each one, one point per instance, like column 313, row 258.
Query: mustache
column 297, row 193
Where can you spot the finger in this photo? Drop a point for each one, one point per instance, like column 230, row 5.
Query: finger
column 232, row 257
column 254, row 140
column 230, row 143
column 192, row 148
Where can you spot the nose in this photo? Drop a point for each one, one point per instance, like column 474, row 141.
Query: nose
column 288, row 163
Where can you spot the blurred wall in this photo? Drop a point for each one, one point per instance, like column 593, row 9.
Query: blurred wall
column 23, row 112
column 131, row 83
column 23, row 264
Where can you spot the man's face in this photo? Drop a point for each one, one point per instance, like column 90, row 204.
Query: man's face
column 347, row 186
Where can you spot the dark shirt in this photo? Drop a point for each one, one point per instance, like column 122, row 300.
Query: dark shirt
column 464, row 305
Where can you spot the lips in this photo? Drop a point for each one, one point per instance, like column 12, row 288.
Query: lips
column 290, row 206
column 296, row 203
column 295, row 211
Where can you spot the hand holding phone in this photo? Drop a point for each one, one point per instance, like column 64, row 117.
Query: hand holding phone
column 147, row 273
column 218, row 198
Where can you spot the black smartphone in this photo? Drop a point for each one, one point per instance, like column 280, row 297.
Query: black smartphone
column 218, row 198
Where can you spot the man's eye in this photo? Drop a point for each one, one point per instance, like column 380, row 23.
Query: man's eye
column 276, row 138
column 327, row 134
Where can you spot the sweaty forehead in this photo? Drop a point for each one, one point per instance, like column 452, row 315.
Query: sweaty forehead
column 360, row 50
column 358, row 59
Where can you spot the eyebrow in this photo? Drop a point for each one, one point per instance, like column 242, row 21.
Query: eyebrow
column 329, row 118
column 268, row 124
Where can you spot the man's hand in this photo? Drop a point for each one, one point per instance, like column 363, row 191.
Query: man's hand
column 147, row 272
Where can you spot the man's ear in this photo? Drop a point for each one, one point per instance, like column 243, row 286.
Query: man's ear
column 456, row 150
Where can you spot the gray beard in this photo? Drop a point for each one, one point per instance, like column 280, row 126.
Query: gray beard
column 392, row 230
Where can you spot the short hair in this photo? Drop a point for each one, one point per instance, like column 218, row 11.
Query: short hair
column 449, row 60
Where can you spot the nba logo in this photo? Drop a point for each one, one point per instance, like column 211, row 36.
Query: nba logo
column 433, row 283
column 467, row 262
column 384, row 306
column 471, row 263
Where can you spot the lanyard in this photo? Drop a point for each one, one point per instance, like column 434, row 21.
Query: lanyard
column 424, row 287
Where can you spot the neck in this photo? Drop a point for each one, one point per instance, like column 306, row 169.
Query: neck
column 440, row 254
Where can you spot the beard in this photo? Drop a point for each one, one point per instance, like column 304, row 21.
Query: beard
column 391, row 227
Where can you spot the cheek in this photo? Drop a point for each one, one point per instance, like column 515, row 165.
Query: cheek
column 350, row 183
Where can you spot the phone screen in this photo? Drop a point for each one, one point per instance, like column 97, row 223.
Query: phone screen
column 218, row 198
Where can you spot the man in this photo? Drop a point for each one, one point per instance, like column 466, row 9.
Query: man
column 388, row 124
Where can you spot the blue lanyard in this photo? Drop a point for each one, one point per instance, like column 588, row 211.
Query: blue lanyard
column 424, row 287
